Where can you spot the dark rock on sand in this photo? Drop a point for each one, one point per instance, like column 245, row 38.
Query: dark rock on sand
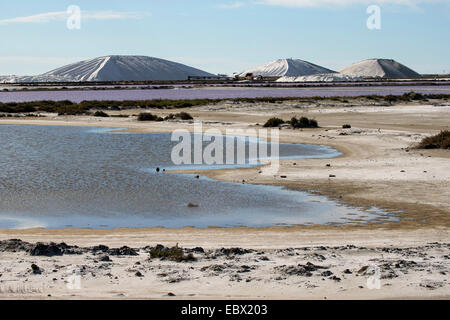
column 335, row 278
column 48, row 250
column 233, row 251
column 363, row 270
column 100, row 247
column 14, row 245
column 139, row 274
column 405, row 264
column 214, row 267
column 196, row 249
column 245, row 268
column 300, row 270
column 105, row 258
column 347, row 271
column 35, row 269
column 122, row 251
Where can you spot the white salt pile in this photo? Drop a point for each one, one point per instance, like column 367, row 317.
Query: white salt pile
column 380, row 68
column 286, row 68
column 116, row 68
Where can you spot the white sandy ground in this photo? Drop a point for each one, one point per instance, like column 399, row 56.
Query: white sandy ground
column 378, row 168
column 263, row 273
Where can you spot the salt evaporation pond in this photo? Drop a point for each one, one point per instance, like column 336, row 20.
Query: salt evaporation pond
column 214, row 93
column 56, row 177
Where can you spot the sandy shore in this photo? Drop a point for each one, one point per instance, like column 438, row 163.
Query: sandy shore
column 378, row 168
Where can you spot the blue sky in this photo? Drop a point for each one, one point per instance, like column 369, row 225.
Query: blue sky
column 225, row 36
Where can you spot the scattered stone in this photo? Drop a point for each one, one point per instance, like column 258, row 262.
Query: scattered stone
column 363, row 270
column 105, row 258
column 192, row 205
column 300, row 270
column 233, row 251
column 405, row 264
column 100, row 247
column 347, row 271
column 139, row 274
column 14, row 245
column 337, row 279
column 432, row 285
column 35, row 269
column 332, row 176
column 48, row 250
column 170, row 294
column 122, row 251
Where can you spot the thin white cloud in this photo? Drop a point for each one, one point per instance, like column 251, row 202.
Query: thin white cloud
column 63, row 15
column 26, row 65
column 233, row 5
column 334, row 3
column 43, row 60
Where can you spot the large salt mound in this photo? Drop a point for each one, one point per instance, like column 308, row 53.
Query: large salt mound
column 380, row 68
column 125, row 68
column 286, row 68
column 115, row 68
column 324, row 77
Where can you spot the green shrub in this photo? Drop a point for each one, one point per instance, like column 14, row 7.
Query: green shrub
column 185, row 116
column 294, row 122
column 313, row 123
column 147, row 116
column 273, row 122
column 438, row 141
column 303, row 122
column 181, row 115
column 101, row 114
column 174, row 254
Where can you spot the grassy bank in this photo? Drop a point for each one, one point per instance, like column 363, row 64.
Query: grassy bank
column 67, row 107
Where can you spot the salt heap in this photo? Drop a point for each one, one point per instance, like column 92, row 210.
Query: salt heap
column 380, row 68
column 286, row 68
column 116, row 68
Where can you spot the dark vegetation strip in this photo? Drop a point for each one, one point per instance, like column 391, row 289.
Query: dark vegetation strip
column 295, row 123
column 67, row 107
